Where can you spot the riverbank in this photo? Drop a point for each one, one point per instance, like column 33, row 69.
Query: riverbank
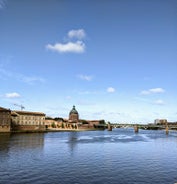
column 72, row 130
column 56, row 130
column 147, row 127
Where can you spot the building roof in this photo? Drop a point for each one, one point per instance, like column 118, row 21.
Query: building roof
column 4, row 109
column 29, row 113
column 73, row 111
column 13, row 113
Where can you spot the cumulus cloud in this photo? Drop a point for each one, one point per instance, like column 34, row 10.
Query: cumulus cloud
column 12, row 95
column 152, row 91
column 85, row 77
column 78, row 34
column 111, row 90
column 75, row 47
column 159, row 102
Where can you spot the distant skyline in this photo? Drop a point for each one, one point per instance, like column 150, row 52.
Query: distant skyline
column 113, row 59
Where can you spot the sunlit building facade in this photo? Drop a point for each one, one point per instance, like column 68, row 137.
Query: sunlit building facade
column 25, row 120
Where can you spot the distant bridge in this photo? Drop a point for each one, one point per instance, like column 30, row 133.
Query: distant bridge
column 146, row 127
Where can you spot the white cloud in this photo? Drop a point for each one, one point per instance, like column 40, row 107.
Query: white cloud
column 78, row 34
column 88, row 92
column 146, row 78
column 85, row 77
column 159, row 102
column 75, row 47
column 152, row 91
column 86, row 103
column 145, row 92
column 20, row 77
column 157, row 90
column 12, row 95
column 5, row 73
column 68, row 97
column 111, row 90
column 2, row 4
column 32, row 80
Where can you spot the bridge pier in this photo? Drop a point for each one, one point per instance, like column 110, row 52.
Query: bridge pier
column 136, row 128
column 109, row 127
column 166, row 130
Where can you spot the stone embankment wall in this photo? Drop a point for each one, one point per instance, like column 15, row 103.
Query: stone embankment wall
column 4, row 128
column 29, row 128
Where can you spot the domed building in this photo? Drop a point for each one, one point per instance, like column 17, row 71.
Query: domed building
column 73, row 115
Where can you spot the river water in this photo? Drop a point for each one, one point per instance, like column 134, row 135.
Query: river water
column 91, row 157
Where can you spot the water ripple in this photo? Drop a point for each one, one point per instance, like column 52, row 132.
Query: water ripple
column 116, row 157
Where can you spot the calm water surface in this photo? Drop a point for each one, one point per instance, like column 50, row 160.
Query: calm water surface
column 93, row 157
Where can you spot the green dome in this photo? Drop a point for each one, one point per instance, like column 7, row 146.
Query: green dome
column 73, row 111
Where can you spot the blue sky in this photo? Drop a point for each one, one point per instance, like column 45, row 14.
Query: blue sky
column 113, row 59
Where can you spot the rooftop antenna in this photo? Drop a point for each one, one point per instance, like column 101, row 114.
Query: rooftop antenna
column 21, row 106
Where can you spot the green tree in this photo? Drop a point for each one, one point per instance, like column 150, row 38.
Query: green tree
column 102, row 122
column 53, row 125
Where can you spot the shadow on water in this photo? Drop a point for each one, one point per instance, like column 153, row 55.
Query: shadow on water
column 4, row 144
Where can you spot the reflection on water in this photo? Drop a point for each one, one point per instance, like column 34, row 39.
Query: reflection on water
column 4, row 144
column 116, row 157
column 72, row 141
column 21, row 141
column 28, row 140
column 13, row 143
